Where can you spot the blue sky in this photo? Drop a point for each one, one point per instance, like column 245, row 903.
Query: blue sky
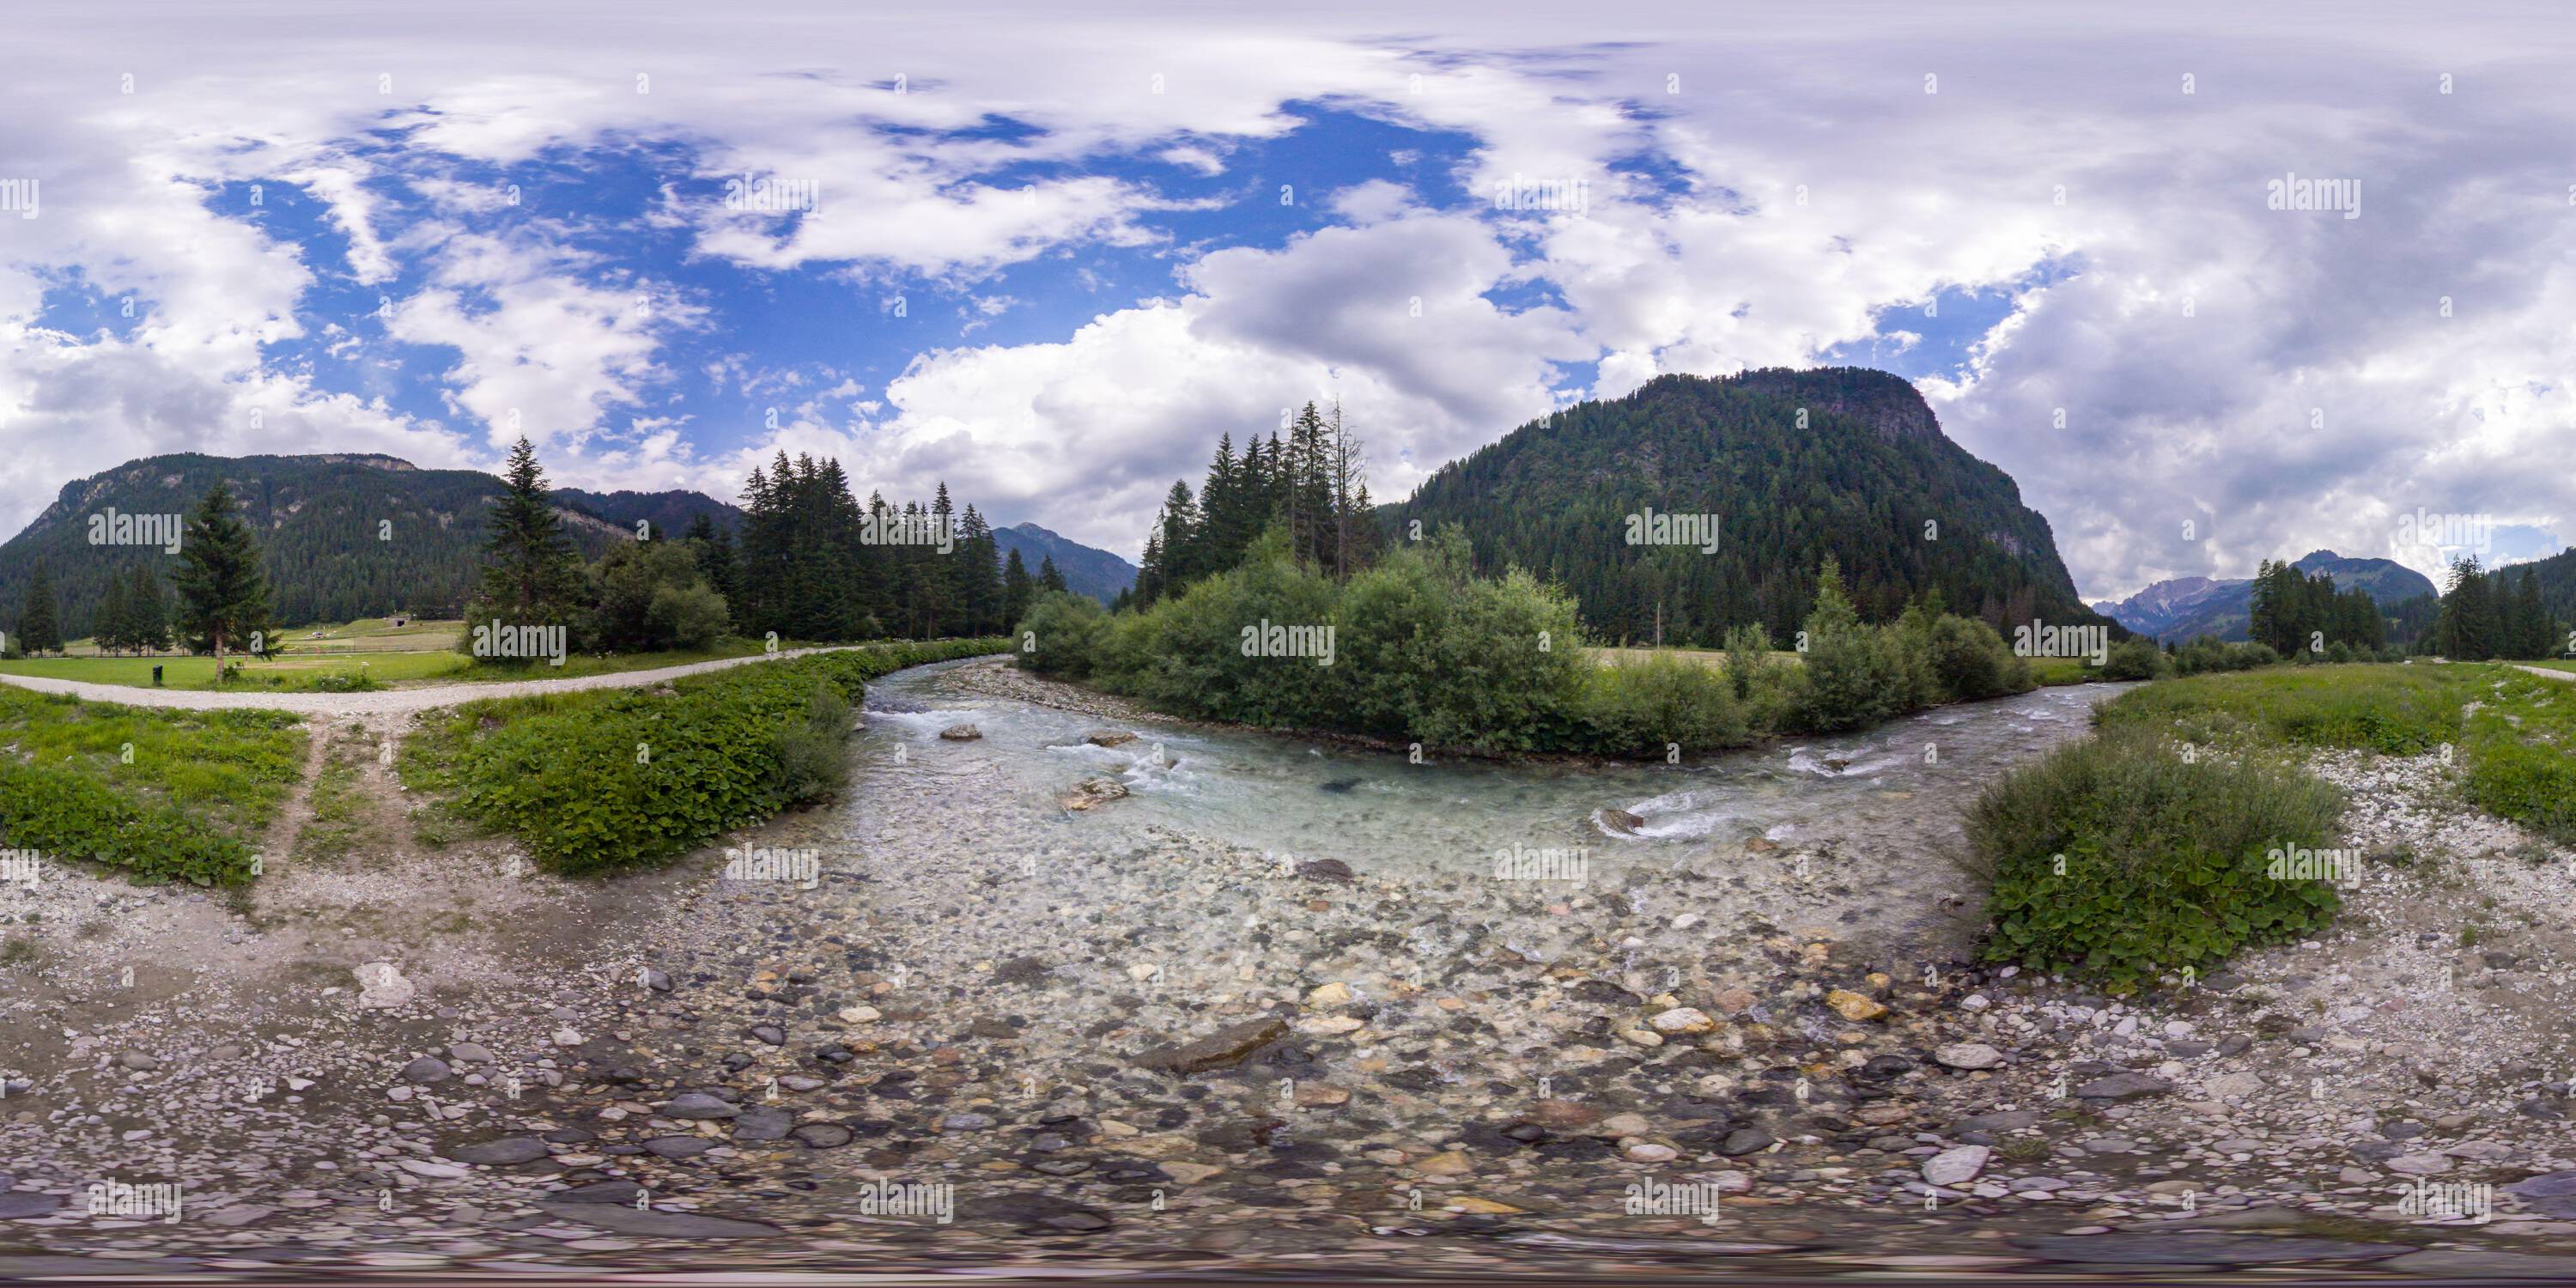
column 1048, row 257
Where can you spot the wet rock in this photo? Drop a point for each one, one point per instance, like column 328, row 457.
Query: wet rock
column 1446, row 1163
column 770, row 1034
column 821, row 1135
column 1230, row 1045
column 1091, row 793
column 961, row 733
column 763, row 1124
column 1968, row 1055
column 656, row 980
column 1109, row 738
column 1682, row 1019
column 2124, row 1086
column 426, row 1069
column 2551, row 1194
column 1746, row 1140
column 697, row 1104
column 1021, row 970
column 1564, row 1115
column 678, row 1146
column 137, row 1062
column 618, row 1192
column 1854, row 1006
column 508, row 1151
column 2428, row 1163
column 1956, row 1166
column 1618, row 822
column 1331, row 870
column 469, row 1053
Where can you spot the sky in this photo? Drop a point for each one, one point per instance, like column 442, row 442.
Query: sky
column 1047, row 254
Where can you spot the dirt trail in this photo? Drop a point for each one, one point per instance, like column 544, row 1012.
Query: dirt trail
column 2546, row 673
column 389, row 701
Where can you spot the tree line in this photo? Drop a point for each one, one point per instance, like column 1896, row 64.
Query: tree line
column 2296, row 612
column 1313, row 485
column 2483, row 618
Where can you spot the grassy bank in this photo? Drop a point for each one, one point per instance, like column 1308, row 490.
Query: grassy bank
column 159, row 795
column 611, row 779
column 341, row 672
column 2145, row 849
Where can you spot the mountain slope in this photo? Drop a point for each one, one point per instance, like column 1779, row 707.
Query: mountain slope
column 330, row 556
column 1096, row 573
column 1859, row 481
column 341, row 536
column 2188, row 607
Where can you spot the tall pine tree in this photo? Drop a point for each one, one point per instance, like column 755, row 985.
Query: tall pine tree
column 40, row 618
column 531, row 575
column 223, row 596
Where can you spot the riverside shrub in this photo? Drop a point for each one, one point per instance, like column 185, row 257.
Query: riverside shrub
column 2165, row 860
column 613, row 779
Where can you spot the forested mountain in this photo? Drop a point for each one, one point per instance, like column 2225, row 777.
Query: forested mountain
column 1792, row 465
column 340, row 537
column 1096, row 573
column 2189, row 607
column 670, row 513
column 348, row 536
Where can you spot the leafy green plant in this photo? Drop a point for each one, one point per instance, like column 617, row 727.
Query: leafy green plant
column 2116, row 859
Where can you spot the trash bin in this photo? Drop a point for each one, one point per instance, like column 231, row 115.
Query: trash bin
column 156, row 676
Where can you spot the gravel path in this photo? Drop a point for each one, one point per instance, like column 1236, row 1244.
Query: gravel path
column 2545, row 672
column 386, row 701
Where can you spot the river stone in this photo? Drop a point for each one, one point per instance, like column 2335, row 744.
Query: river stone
column 2200, row 1249
column 678, row 1146
column 1035, row 1213
column 1853, row 1006
column 618, row 1192
column 1109, row 738
column 508, row 1151
column 1745, row 1140
column 1093, row 792
column 1968, row 1055
column 821, row 1135
column 2229, row 1086
column 20, row 1207
column 657, row 1224
column 961, row 733
column 1683, row 1019
column 1227, row 1046
column 763, row 1124
column 1333, row 870
column 2427, row 1163
column 770, row 1034
column 1956, row 1166
column 2124, row 1086
column 138, row 1062
column 428, row 1068
column 2552, row 1194
column 469, row 1053
column 1618, row 822
column 697, row 1104
column 382, row 987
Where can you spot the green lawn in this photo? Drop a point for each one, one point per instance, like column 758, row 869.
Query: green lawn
column 289, row 673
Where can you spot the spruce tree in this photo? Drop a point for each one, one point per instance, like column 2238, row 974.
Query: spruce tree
column 113, row 624
column 1048, row 577
column 531, row 575
column 40, row 617
column 1018, row 588
column 223, row 596
column 148, row 611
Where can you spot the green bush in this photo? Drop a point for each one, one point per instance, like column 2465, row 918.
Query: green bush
column 62, row 812
column 619, row 778
column 1638, row 709
column 2133, row 659
column 1061, row 635
column 1748, row 659
column 1972, row 662
column 198, row 790
column 2164, row 859
column 1852, row 677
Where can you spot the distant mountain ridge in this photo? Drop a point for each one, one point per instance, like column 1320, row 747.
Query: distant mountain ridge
column 2185, row 608
column 352, row 535
column 1794, row 466
column 1087, row 571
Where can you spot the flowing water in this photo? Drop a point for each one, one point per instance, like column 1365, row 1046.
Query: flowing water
column 1884, row 792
